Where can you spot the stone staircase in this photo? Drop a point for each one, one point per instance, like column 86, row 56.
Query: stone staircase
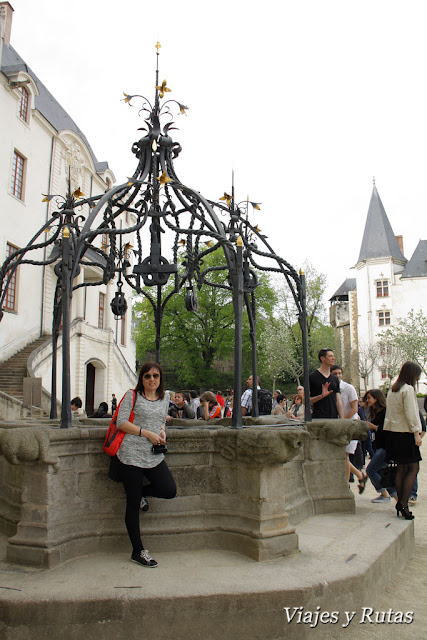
column 13, row 371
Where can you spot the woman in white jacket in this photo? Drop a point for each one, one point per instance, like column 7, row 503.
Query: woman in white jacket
column 403, row 424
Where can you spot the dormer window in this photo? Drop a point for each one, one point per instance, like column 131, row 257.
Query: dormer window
column 382, row 288
column 23, row 104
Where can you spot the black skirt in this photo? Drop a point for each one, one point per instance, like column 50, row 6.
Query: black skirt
column 401, row 447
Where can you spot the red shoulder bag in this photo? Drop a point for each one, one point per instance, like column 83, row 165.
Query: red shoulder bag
column 115, row 436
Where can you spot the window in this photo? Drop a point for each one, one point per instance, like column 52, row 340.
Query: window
column 101, row 310
column 17, row 183
column 384, row 318
column 23, row 104
column 123, row 331
column 382, row 288
column 385, row 349
column 10, row 299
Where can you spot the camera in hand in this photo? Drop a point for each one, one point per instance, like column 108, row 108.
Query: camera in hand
column 159, row 448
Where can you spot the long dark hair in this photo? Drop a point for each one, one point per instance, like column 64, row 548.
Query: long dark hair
column 409, row 374
column 146, row 367
column 380, row 402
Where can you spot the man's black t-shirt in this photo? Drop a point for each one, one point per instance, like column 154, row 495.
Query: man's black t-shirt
column 327, row 407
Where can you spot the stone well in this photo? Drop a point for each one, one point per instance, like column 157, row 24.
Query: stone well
column 242, row 490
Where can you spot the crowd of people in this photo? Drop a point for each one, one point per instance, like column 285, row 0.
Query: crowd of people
column 396, row 425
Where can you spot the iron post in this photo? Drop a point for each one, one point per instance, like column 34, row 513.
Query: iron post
column 303, row 324
column 237, row 282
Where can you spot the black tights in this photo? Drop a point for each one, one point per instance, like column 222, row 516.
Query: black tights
column 162, row 485
column 405, row 478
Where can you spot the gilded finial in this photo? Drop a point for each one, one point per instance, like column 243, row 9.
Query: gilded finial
column 158, row 45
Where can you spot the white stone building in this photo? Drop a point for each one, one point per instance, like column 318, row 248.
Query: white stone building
column 386, row 287
column 39, row 143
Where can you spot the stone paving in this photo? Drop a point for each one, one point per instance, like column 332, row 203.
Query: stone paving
column 408, row 592
column 342, row 562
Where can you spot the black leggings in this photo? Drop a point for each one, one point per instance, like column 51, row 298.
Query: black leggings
column 405, row 478
column 162, row 485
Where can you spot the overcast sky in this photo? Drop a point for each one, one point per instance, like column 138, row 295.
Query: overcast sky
column 307, row 101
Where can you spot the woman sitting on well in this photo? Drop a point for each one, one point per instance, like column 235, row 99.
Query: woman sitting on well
column 297, row 410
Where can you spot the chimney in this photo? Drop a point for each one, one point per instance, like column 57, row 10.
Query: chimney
column 400, row 243
column 6, row 11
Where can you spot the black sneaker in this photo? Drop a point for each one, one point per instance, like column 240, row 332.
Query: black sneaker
column 144, row 558
column 144, row 504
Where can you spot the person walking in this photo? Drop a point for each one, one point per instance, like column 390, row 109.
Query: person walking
column 137, row 454
column 404, row 434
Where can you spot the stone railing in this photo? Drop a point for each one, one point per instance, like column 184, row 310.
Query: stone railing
column 242, row 490
column 10, row 407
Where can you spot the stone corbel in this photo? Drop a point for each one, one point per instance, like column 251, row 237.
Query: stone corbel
column 27, row 445
column 338, row 432
column 261, row 447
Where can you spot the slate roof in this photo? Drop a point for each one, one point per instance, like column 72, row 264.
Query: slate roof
column 378, row 240
column 417, row 265
column 45, row 103
column 343, row 290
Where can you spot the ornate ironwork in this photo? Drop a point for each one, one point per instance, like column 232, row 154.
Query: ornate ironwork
column 154, row 198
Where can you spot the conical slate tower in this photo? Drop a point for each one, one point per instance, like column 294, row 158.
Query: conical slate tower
column 379, row 240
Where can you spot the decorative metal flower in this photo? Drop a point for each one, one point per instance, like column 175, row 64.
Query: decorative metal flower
column 162, row 89
column 127, row 98
column 182, row 108
column 163, row 179
column 227, row 198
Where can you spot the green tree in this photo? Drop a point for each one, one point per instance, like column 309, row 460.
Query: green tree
column 281, row 342
column 408, row 338
column 195, row 343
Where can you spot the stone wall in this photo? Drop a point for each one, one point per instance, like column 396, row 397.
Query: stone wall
column 242, row 490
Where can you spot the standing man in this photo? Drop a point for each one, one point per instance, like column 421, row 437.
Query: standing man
column 348, row 395
column 350, row 408
column 324, row 388
column 113, row 403
column 246, row 401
